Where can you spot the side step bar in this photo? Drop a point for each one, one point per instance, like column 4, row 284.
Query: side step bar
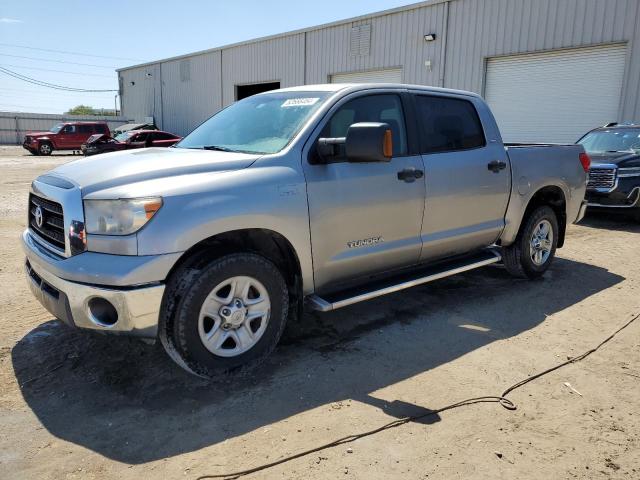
column 394, row 284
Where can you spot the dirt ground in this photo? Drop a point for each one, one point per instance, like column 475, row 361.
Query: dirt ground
column 81, row 405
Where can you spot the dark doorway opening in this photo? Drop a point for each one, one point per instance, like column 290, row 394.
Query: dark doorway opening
column 244, row 91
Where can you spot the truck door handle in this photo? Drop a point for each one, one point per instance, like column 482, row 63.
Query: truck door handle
column 410, row 174
column 495, row 166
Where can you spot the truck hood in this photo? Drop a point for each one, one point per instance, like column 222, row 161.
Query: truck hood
column 615, row 158
column 38, row 134
column 130, row 166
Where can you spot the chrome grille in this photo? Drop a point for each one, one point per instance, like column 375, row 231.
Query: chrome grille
column 51, row 229
column 601, row 178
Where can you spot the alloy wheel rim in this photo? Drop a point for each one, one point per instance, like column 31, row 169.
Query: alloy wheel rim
column 45, row 148
column 541, row 243
column 234, row 316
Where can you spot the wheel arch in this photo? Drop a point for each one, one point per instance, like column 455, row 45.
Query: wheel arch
column 43, row 140
column 552, row 196
column 270, row 244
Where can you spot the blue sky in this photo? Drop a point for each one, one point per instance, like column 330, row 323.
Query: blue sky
column 130, row 32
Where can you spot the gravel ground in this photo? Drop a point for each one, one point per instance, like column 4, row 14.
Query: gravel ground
column 81, row 405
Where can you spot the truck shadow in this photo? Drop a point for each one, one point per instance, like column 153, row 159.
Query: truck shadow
column 127, row 401
column 617, row 221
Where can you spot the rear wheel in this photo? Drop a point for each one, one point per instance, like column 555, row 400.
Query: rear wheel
column 45, row 148
column 224, row 316
column 535, row 246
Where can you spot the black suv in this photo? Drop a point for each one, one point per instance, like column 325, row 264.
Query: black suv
column 614, row 177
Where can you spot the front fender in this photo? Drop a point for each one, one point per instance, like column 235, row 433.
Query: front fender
column 46, row 139
column 272, row 198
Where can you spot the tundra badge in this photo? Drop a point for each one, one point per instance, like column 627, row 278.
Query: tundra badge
column 366, row 242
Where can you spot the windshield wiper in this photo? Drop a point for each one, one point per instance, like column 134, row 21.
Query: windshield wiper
column 217, row 148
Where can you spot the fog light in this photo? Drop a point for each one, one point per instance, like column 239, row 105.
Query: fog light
column 103, row 313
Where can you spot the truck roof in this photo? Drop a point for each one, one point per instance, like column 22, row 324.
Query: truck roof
column 335, row 87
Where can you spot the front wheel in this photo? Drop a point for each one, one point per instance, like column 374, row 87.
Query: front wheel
column 225, row 315
column 45, row 148
column 535, row 246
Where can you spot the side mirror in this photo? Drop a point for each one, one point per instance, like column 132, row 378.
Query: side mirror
column 365, row 142
column 369, row 142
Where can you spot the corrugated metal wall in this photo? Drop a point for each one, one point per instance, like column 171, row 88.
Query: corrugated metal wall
column 141, row 93
column 397, row 40
column 190, row 91
column 14, row 125
column 278, row 60
column 469, row 31
column 488, row 28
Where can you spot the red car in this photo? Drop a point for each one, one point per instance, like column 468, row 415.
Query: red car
column 63, row 136
column 132, row 139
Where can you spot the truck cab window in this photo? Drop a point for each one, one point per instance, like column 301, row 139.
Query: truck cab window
column 385, row 108
column 448, row 124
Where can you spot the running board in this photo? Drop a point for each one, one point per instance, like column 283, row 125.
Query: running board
column 407, row 280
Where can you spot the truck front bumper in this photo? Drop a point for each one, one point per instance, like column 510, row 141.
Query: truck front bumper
column 126, row 309
column 616, row 199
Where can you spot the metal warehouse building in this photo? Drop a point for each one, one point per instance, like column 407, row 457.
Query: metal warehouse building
column 550, row 69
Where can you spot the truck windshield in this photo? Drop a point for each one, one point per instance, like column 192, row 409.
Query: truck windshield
column 263, row 123
column 56, row 128
column 619, row 140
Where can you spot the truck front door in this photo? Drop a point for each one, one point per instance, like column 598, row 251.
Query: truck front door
column 69, row 138
column 467, row 173
column 364, row 217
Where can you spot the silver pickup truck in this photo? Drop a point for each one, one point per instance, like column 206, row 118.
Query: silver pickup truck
column 317, row 196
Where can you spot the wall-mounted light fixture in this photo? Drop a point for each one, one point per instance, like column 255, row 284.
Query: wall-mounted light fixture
column 429, row 37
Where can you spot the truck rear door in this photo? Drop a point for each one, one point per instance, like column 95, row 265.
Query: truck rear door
column 467, row 173
column 364, row 217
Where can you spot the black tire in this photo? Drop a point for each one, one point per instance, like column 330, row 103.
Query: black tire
column 636, row 215
column 516, row 257
column 186, row 291
column 45, row 148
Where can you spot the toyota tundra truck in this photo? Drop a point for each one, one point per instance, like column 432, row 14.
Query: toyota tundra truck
column 312, row 197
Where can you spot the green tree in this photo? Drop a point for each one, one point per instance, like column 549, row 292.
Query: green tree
column 81, row 110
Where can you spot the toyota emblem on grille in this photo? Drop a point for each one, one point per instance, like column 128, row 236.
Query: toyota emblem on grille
column 39, row 217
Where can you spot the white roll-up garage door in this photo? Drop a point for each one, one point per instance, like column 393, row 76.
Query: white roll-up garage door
column 390, row 75
column 555, row 96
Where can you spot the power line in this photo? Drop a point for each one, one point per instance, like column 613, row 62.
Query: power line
column 6, row 91
column 58, row 61
column 59, row 71
column 69, row 53
column 50, row 85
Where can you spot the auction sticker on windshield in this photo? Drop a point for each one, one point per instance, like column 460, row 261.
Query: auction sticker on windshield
column 300, row 102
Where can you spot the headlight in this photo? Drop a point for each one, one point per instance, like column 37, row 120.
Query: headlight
column 629, row 172
column 119, row 217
